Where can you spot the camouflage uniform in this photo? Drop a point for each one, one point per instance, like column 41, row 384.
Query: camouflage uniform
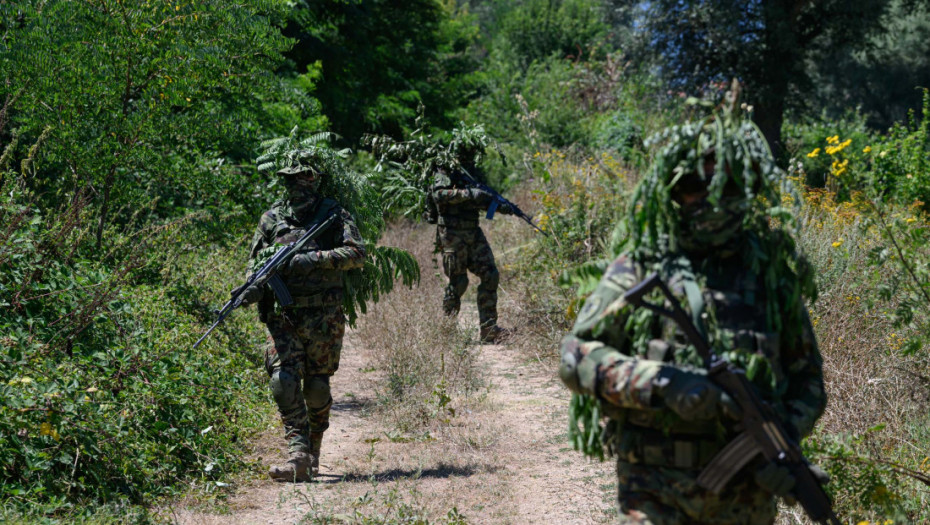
column 307, row 335
column 659, row 454
column 456, row 209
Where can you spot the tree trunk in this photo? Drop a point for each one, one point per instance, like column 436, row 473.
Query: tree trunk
column 769, row 115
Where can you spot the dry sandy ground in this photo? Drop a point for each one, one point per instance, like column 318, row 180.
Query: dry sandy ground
column 507, row 462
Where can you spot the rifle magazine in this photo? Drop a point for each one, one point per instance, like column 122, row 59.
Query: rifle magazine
column 728, row 462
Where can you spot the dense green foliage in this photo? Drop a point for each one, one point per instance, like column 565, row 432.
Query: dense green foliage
column 380, row 60
column 128, row 193
column 767, row 45
column 100, row 400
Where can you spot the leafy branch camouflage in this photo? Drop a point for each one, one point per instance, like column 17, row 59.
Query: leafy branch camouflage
column 653, row 230
column 408, row 167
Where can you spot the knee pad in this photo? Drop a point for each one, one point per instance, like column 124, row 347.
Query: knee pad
column 458, row 284
column 316, row 392
column 285, row 387
column 490, row 280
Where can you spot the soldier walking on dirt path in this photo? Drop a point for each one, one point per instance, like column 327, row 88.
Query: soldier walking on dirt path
column 702, row 220
column 455, row 205
column 306, row 336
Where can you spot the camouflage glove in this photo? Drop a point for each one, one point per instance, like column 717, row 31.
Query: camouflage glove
column 480, row 195
column 692, row 396
column 776, row 479
column 506, row 209
column 302, row 263
column 252, row 294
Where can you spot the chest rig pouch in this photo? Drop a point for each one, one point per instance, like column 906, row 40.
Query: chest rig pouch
column 307, row 291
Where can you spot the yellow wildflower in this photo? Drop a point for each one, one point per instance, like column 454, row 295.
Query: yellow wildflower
column 814, row 153
column 833, row 140
column 910, row 220
column 45, row 429
column 838, row 243
column 882, row 154
column 867, row 149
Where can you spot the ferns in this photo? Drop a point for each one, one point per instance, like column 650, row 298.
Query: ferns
column 385, row 265
column 407, row 168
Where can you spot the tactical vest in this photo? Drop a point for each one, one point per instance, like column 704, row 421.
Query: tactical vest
column 456, row 216
column 322, row 286
column 732, row 299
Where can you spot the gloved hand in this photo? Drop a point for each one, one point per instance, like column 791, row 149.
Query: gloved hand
column 479, row 194
column 779, row 480
column 302, row 262
column 506, row 209
column 776, row 479
column 692, row 396
column 252, row 294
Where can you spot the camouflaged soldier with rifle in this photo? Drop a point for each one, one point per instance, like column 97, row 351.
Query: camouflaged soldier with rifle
column 455, row 204
column 306, row 335
column 706, row 228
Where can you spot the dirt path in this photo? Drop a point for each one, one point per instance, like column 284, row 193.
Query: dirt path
column 506, row 463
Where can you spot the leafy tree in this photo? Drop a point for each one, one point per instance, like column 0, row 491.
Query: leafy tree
column 536, row 29
column 381, row 59
column 766, row 44
column 143, row 101
column 883, row 77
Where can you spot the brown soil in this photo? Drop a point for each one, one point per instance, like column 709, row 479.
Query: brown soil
column 508, row 462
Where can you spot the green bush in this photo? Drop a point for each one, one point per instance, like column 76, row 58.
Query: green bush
column 900, row 163
column 101, row 399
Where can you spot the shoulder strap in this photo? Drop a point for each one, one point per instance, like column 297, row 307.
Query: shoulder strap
column 680, row 272
column 325, row 208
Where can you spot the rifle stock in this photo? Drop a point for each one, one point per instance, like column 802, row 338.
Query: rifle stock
column 763, row 431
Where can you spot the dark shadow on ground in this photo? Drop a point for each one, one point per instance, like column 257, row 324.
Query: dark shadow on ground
column 441, row 471
column 353, row 404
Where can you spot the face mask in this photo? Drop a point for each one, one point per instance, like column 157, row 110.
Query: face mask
column 302, row 191
column 704, row 226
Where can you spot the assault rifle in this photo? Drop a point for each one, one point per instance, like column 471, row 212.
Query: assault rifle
column 762, row 430
column 268, row 274
column 497, row 200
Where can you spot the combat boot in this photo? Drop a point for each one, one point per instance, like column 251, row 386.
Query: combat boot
column 316, row 442
column 297, row 468
column 492, row 334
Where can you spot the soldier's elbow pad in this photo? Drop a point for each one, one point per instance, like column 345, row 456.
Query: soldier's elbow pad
column 568, row 372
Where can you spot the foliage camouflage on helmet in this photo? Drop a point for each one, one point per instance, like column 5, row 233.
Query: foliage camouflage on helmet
column 355, row 192
column 652, row 232
column 408, row 167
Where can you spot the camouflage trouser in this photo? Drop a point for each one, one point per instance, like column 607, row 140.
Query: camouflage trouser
column 465, row 250
column 667, row 496
column 304, row 354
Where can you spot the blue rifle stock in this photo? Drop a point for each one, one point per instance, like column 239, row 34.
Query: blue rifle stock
column 268, row 274
column 762, row 430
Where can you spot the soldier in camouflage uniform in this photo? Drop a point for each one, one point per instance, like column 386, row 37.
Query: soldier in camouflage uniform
column 307, row 335
column 667, row 419
column 455, row 207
